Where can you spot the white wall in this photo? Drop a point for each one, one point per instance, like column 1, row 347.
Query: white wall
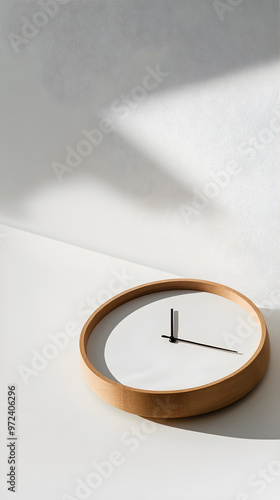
column 214, row 109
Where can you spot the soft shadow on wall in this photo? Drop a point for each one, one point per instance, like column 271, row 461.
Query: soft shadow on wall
column 98, row 48
column 89, row 54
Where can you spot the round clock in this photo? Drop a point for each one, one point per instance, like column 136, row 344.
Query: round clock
column 174, row 348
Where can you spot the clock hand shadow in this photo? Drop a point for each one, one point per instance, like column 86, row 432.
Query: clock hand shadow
column 176, row 324
column 256, row 415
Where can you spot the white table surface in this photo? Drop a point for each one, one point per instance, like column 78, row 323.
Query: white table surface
column 63, row 427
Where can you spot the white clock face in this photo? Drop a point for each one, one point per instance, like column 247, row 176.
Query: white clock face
column 127, row 345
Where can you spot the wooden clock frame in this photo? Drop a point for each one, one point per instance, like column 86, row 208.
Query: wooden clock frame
column 185, row 402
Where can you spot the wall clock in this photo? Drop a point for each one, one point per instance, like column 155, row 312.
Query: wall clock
column 174, row 348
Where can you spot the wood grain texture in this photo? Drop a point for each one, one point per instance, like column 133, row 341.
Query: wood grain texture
column 180, row 403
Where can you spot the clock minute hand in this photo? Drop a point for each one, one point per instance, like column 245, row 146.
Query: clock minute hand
column 198, row 343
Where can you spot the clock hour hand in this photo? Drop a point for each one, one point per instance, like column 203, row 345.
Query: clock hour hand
column 198, row 343
column 172, row 338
